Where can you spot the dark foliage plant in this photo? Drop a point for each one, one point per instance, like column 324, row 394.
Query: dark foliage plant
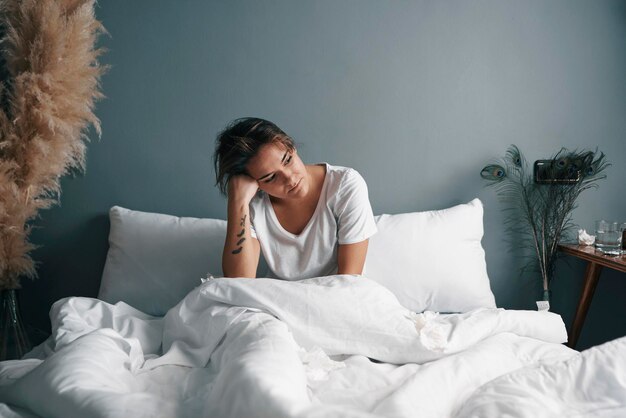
column 538, row 214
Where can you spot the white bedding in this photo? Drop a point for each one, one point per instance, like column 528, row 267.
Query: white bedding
column 335, row 346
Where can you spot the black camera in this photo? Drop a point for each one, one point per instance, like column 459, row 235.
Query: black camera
column 556, row 171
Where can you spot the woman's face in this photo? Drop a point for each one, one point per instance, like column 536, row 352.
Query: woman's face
column 279, row 172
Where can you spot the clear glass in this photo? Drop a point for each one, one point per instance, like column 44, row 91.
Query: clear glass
column 608, row 237
column 14, row 342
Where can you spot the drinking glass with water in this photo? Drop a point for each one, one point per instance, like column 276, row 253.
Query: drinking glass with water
column 609, row 237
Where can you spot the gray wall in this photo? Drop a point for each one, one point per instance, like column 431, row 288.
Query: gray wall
column 416, row 95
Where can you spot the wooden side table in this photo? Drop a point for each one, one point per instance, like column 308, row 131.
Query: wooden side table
column 595, row 262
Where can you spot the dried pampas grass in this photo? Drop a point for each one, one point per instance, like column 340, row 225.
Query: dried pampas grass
column 51, row 82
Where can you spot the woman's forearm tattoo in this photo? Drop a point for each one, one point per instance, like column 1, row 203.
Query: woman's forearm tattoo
column 242, row 224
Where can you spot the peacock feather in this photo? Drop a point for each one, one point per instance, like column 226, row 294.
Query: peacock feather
column 493, row 172
column 514, row 156
column 538, row 215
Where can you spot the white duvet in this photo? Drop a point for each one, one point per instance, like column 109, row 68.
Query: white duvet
column 334, row 346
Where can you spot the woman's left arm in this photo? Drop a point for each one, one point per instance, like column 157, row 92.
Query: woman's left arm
column 351, row 257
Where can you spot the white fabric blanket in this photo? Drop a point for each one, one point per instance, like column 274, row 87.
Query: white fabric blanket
column 260, row 348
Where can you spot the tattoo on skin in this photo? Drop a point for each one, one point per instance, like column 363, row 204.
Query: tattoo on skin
column 242, row 223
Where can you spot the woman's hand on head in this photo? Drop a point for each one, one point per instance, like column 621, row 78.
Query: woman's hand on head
column 242, row 188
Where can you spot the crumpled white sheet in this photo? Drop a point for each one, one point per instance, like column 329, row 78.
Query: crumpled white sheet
column 341, row 314
column 234, row 348
column 592, row 384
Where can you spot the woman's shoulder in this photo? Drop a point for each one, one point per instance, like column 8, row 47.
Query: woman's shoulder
column 341, row 172
column 343, row 179
column 259, row 202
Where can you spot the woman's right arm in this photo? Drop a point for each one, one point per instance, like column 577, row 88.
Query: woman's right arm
column 241, row 252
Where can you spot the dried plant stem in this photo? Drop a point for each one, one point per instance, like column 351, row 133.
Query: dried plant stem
column 47, row 105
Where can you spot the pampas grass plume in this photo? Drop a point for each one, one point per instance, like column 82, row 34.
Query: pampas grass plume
column 52, row 81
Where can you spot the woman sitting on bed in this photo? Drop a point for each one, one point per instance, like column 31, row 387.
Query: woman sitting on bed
column 309, row 220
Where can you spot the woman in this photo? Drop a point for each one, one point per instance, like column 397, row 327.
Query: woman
column 309, row 220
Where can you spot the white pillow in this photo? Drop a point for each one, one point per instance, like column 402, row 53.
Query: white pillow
column 154, row 260
column 432, row 260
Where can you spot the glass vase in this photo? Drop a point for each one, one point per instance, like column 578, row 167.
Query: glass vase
column 14, row 341
column 544, row 303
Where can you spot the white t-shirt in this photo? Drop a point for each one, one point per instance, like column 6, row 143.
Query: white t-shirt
column 343, row 216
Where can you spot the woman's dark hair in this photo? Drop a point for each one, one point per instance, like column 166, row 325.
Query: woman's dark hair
column 239, row 142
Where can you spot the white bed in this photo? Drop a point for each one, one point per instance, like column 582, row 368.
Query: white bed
column 341, row 346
